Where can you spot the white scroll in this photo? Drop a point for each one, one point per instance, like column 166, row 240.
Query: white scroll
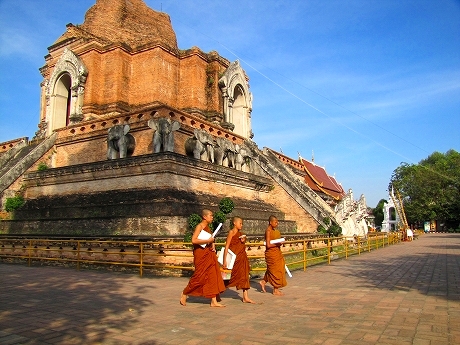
column 278, row 240
column 204, row 235
column 231, row 257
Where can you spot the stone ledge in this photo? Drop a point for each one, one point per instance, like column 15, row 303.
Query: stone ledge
column 159, row 170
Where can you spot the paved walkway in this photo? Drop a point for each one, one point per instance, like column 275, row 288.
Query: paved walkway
column 407, row 293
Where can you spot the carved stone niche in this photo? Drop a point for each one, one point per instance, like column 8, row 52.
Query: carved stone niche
column 237, row 100
column 68, row 79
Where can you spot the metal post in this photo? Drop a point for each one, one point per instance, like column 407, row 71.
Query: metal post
column 141, row 259
column 304, row 256
column 30, row 252
column 78, row 255
column 346, row 247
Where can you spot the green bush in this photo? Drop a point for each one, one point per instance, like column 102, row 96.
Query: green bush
column 321, row 229
column 42, row 166
column 14, row 203
column 219, row 217
column 332, row 229
column 226, row 205
column 335, row 230
column 193, row 220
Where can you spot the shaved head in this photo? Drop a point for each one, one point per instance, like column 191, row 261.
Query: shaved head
column 205, row 212
column 272, row 217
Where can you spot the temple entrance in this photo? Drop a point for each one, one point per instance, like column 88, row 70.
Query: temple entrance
column 240, row 118
column 62, row 101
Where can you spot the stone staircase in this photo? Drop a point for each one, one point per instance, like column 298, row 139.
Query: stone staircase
column 13, row 164
column 291, row 183
column 8, row 155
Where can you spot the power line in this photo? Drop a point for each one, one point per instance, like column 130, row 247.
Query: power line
column 237, row 56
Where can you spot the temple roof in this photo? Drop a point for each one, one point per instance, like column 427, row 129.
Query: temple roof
column 314, row 176
column 130, row 22
column 319, row 180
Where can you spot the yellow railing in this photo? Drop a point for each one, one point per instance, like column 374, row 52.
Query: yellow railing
column 172, row 258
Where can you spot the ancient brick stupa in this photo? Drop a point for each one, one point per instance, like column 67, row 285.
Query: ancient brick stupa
column 128, row 22
column 135, row 135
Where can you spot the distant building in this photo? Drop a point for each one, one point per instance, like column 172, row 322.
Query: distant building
column 352, row 216
column 390, row 216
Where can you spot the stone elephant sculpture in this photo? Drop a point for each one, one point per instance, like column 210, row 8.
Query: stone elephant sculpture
column 243, row 159
column 119, row 142
column 200, row 146
column 224, row 152
column 163, row 136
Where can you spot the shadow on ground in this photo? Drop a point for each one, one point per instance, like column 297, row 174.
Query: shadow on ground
column 81, row 318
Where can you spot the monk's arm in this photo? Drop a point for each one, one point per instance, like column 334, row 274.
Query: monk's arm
column 196, row 240
column 268, row 238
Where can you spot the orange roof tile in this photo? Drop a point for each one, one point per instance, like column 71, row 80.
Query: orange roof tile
column 319, row 180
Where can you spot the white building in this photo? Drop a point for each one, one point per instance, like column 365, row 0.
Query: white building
column 390, row 215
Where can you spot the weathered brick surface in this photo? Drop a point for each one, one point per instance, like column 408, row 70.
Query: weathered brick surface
column 133, row 23
column 282, row 200
column 121, row 80
column 132, row 58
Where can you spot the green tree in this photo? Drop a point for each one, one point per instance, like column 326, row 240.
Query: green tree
column 430, row 189
column 332, row 229
column 378, row 212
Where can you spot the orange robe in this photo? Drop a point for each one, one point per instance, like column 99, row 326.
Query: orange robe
column 207, row 279
column 240, row 270
column 275, row 274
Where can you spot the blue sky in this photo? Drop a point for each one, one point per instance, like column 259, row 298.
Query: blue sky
column 363, row 85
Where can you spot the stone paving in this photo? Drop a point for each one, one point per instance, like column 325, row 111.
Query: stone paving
column 408, row 293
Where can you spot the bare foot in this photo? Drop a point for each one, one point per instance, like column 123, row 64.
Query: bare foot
column 183, row 300
column 262, row 285
column 277, row 292
column 247, row 300
column 218, row 305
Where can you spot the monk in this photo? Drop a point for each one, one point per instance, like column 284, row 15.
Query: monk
column 274, row 259
column 207, row 279
column 240, row 271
